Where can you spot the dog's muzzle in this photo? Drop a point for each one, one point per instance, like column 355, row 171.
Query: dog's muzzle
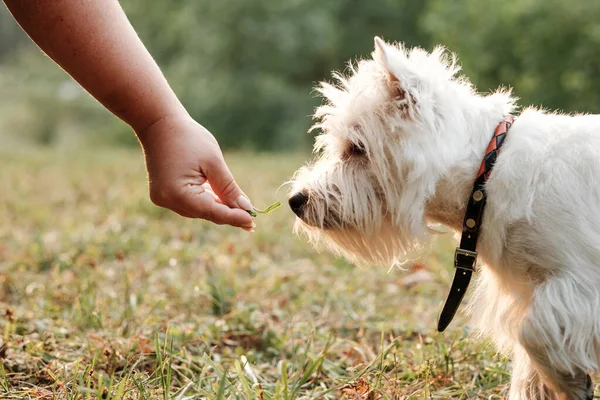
column 298, row 202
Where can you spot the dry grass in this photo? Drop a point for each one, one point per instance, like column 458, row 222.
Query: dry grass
column 103, row 295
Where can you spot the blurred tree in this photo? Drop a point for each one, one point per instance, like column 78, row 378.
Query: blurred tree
column 11, row 36
column 548, row 50
column 246, row 68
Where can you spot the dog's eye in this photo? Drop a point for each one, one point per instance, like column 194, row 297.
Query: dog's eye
column 357, row 149
column 354, row 150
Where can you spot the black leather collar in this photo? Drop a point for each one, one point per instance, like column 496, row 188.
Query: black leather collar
column 465, row 257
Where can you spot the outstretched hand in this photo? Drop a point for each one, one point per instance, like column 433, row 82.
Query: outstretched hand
column 187, row 173
column 95, row 43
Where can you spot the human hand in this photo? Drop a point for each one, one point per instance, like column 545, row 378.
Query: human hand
column 187, row 173
column 95, row 43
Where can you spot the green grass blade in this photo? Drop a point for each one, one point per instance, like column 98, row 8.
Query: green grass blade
column 284, row 380
column 222, row 385
column 242, row 377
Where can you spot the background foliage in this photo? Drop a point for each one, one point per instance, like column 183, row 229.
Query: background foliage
column 246, row 69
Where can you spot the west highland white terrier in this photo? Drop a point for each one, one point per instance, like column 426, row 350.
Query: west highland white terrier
column 400, row 150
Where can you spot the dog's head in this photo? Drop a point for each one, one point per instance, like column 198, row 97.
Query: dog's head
column 382, row 147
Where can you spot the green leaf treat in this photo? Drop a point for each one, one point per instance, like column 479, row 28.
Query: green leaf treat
column 267, row 210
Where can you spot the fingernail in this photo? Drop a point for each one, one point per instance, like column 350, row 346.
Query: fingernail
column 249, row 228
column 244, row 203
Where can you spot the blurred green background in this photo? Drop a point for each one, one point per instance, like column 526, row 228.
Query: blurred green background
column 246, row 68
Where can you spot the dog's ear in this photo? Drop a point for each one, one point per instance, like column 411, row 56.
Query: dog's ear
column 382, row 55
column 395, row 63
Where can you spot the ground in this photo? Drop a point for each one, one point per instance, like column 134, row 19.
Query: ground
column 103, row 295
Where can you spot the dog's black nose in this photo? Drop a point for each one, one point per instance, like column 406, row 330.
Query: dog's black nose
column 297, row 202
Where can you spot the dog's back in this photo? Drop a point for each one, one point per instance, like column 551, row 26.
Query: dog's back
column 547, row 177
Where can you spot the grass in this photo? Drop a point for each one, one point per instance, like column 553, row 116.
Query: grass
column 103, row 295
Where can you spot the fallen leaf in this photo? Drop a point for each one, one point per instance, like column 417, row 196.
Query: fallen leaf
column 359, row 390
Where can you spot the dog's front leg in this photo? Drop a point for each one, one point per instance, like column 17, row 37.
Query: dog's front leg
column 525, row 382
column 559, row 333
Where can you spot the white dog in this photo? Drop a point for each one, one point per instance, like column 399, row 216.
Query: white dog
column 402, row 140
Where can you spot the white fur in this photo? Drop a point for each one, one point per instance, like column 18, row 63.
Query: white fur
column 425, row 131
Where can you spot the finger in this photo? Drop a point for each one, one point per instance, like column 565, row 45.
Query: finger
column 248, row 228
column 223, row 214
column 222, row 182
column 203, row 204
column 209, row 190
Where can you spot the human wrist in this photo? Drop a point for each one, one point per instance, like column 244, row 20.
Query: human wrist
column 144, row 129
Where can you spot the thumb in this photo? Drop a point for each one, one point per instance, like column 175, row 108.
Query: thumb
column 223, row 184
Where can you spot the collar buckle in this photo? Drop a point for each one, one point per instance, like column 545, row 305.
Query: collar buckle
column 465, row 259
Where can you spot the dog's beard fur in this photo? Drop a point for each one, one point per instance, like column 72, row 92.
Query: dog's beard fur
column 349, row 210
